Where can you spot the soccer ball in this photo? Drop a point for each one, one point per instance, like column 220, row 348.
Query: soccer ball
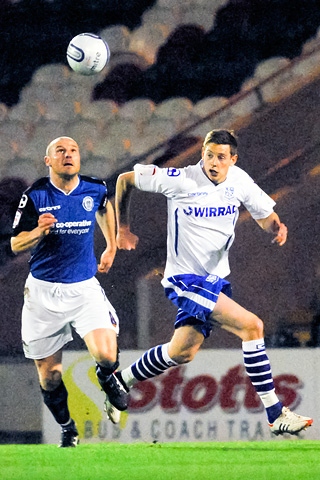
column 88, row 54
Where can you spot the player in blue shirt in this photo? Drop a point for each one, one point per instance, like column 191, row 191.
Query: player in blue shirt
column 203, row 202
column 55, row 221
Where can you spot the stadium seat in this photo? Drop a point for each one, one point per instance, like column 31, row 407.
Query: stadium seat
column 264, row 70
column 25, row 111
column 176, row 110
column 44, row 133
column 15, row 131
column 127, row 58
column 202, row 16
column 113, row 146
column 20, row 167
column 161, row 16
column 117, row 37
column 138, row 111
column 74, row 93
column 312, row 44
column 207, row 106
column 214, row 4
column 48, row 103
column 6, row 151
column 85, row 133
column 146, row 40
column 52, row 74
column 97, row 167
column 154, row 134
column 102, row 112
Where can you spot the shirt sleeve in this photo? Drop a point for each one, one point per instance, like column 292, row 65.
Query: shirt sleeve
column 104, row 199
column 150, row 178
column 26, row 218
column 258, row 203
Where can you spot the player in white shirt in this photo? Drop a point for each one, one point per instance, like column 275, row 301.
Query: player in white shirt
column 203, row 207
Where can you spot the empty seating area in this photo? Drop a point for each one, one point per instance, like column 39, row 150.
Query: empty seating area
column 175, row 69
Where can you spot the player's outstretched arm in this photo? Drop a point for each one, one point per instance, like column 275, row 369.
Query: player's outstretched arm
column 28, row 240
column 106, row 221
column 125, row 184
column 272, row 225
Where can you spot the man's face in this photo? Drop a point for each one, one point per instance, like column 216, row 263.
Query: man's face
column 216, row 161
column 64, row 158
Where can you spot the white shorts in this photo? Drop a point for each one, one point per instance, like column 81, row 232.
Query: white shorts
column 50, row 309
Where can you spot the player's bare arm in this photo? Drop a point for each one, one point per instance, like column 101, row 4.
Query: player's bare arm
column 126, row 240
column 106, row 221
column 27, row 240
column 272, row 225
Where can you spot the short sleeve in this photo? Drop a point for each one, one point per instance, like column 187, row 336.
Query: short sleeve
column 26, row 217
column 150, row 178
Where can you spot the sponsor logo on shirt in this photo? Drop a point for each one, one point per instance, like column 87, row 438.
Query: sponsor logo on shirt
column 82, row 223
column 212, row 278
column 72, row 228
column 16, row 219
column 173, row 172
column 48, row 209
column 197, row 194
column 210, row 211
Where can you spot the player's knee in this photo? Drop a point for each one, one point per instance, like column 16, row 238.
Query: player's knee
column 105, row 358
column 255, row 326
column 185, row 356
column 51, row 380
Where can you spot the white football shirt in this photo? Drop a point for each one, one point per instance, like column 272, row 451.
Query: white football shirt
column 201, row 215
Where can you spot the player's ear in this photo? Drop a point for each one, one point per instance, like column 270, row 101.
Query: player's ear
column 234, row 159
column 47, row 161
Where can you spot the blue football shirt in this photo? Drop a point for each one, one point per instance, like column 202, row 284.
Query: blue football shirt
column 66, row 254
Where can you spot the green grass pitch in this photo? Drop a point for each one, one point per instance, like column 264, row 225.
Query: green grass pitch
column 283, row 460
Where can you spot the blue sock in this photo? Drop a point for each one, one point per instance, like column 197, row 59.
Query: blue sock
column 152, row 363
column 258, row 368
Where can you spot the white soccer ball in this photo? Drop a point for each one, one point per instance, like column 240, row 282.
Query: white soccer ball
column 88, row 54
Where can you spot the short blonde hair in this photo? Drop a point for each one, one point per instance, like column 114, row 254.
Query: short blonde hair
column 55, row 141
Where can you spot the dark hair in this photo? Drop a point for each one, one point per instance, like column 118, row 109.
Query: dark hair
column 222, row 137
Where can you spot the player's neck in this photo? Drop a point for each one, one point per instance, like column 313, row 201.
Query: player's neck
column 66, row 184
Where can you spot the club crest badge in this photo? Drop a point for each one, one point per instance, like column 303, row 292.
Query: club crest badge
column 88, row 203
column 229, row 192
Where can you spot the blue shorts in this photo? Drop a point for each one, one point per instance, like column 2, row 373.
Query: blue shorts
column 195, row 296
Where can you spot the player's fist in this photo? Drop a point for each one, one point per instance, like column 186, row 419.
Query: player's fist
column 281, row 235
column 126, row 240
column 45, row 222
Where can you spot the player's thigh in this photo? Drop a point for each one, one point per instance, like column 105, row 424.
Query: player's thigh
column 50, row 370
column 236, row 319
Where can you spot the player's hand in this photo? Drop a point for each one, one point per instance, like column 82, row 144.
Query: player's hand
column 126, row 240
column 106, row 261
column 45, row 222
column 281, row 235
